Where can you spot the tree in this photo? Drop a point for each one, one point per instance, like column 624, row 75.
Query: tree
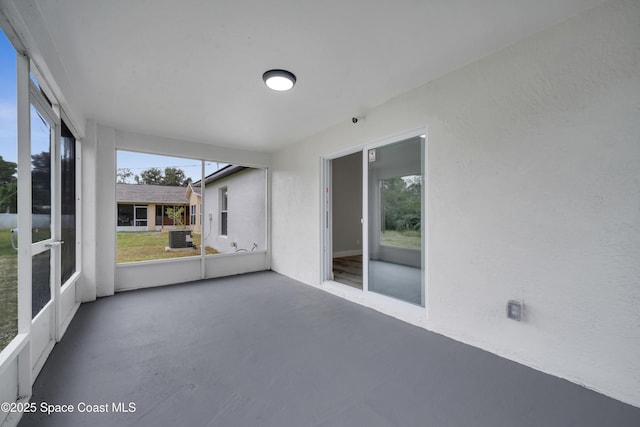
column 155, row 176
column 176, row 214
column 174, row 176
column 124, row 176
column 151, row 176
column 9, row 197
column 401, row 201
column 7, row 171
column 8, row 187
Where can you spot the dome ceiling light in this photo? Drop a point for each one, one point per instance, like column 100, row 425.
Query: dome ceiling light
column 279, row 80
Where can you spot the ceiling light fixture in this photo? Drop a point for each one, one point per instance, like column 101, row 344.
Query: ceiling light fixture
column 279, row 80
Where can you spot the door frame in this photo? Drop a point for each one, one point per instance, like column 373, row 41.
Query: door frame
column 401, row 309
column 44, row 327
column 326, row 215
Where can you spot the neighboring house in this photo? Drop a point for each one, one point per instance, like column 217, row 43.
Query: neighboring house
column 195, row 201
column 143, row 207
column 234, row 212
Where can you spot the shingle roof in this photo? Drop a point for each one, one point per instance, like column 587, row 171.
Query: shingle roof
column 143, row 193
column 220, row 173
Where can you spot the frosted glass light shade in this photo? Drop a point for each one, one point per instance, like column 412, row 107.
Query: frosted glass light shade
column 279, row 80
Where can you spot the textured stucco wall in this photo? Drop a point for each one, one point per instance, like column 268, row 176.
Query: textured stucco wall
column 246, row 219
column 533, row 193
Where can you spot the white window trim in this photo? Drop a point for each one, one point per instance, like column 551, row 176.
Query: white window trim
column 224, row 209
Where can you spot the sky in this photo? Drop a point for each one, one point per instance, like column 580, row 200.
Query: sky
column 8, row 125
column 139, row 162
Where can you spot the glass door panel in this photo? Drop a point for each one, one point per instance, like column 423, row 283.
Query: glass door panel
column 42, row 137
column 396, row 200
column 40, row 281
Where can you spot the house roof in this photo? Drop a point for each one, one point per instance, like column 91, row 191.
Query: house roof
column 143, row 193
column 195, row 187
column 219, row 174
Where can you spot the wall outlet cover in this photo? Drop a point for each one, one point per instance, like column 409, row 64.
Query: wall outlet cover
column 515, row 310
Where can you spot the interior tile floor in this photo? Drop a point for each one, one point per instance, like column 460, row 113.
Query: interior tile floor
column 264, row 350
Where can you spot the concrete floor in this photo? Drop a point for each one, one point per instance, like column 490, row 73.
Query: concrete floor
column 263, row 350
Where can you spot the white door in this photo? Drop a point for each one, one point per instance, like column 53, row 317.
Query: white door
column 45, row 230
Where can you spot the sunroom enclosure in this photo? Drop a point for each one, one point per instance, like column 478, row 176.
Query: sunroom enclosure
column 524, row 187
column 67, row 254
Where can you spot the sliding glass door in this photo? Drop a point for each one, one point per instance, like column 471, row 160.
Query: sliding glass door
column 395, row 220
column 386, row 255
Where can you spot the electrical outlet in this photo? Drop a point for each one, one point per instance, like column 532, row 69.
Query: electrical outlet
column 515, row 310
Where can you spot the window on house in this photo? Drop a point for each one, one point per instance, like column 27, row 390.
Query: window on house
column 193, row 215
column 125, row 215
column 160, row 215
column 223, row 211
column 140, row 218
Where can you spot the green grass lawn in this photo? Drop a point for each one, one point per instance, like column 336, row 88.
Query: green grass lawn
column 5, row 242
column 405, row 239
column 147, row 245
column 8, row 289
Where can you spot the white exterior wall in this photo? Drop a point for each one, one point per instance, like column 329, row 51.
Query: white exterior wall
column 246, row 215
column 533, row 193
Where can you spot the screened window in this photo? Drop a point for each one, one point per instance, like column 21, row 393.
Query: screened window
column 125, row 215
column 68, row 202
column 140, row 219
column 182, row 221
column 8, row 194
column 153, row 209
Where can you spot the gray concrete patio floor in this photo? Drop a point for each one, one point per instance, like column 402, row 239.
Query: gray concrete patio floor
column 264, row 350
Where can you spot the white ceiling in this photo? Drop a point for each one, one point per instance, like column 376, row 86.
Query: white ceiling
column 192, row 68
